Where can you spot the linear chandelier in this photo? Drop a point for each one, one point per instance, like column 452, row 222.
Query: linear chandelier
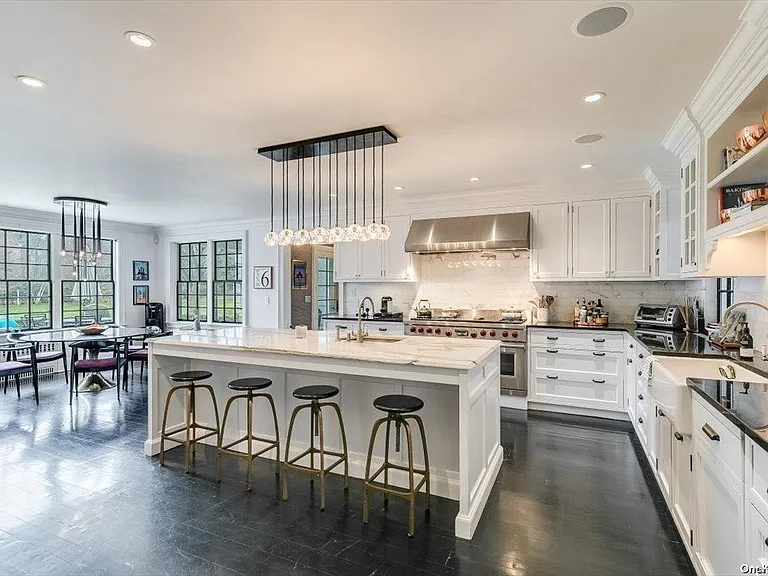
column 85, row 227
column 322, row 168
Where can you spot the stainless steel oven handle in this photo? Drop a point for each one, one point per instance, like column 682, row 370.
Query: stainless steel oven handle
column 513, row 347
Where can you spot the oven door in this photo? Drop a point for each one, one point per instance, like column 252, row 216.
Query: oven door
column 514, row 370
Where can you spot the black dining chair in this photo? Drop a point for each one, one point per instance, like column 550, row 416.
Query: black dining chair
column 42, row 357
column 95, row 365
column 11, row 367
column 140, row 353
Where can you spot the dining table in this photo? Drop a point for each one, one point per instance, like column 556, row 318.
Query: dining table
column 93, row 344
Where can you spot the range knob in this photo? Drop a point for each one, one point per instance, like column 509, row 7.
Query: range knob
column 421, row 330
column 474, row 334
column 482, row 332
column 448, row 333
column 413, row 329
column 437, row 330
column 492, row 333
column 429, row 330
column 504, row 334
column 515, row 334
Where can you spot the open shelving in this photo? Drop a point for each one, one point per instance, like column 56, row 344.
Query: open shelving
column 752, row 168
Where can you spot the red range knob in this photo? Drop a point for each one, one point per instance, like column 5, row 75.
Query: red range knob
column 474, row 334
column 421, row 330
column 515, row 334
column 492, row 333
column 504, row 334
column 437, row 330
column 413, row 329
column 429, row 330
column 447, row 332
column 482, row 332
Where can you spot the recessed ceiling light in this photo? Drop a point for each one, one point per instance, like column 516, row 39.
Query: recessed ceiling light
column 588, row 138
column 399, row 187
column 475, row 179
column 586, row 166
column 594, row 97
column 30, row 81
column 603, row 20
column 139, row 38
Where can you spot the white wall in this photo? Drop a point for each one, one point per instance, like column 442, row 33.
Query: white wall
column 134, row 242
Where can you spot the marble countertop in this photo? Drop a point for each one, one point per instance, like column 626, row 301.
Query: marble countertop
column 399, row 350
column 744, row 404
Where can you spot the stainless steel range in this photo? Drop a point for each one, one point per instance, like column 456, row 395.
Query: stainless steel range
column 483, row 325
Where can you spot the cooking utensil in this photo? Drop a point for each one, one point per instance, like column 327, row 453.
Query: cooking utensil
column 512, row 315
column 750, row 136
column 449, row 313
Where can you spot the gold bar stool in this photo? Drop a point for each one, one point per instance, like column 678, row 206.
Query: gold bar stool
column 188, row 384
column 314, row 394
column 399, row 409
column 249, row 386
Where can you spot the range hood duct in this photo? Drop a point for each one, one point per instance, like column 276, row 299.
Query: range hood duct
column 470, row 234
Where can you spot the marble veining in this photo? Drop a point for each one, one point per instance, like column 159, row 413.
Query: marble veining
column 400, row 350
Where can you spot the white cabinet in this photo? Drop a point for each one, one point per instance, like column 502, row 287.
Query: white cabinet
column 630, row 380
column 630, row 237
column 665, row 246
column 662, row 440
column 376, row 260
column 757, row 543
column 682, row 502
column 690, row 212
column 591, row 239
column 550, row 246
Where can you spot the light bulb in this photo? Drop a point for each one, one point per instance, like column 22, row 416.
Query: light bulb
column 336, row 234
column 271, row 239
column 363, row 235
column 384, row 232
column 301, row 237
column 285, row 237
column 353, row 232
column 63, row 252
column 319, row 235
column 374, row 231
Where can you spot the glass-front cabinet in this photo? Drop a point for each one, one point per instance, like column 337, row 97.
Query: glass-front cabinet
column 690, row 215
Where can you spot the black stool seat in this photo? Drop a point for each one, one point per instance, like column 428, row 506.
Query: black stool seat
column 317, row 392
column 190, row 376
column 247, row 384
column 398, row 403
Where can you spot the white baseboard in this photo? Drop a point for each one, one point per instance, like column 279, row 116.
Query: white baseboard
column 466, row 524
column 610, row 414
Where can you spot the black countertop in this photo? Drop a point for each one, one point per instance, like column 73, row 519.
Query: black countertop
column 745, row 404
column 664, row 343
column 354, row 319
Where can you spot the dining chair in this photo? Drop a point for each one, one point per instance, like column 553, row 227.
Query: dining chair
column 140, row 354
column 95, row 365
column 11, row 367
column 42, row 357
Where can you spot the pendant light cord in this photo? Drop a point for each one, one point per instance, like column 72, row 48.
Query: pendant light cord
column 346, row 192
column 272, row 191
column 382, row 179
column 314, row 222
column 373, row 194
column 354, row 181
column 330, row 204
column 337, row 183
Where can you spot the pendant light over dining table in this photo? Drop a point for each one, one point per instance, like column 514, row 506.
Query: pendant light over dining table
column 328, row 167
column 84, row 229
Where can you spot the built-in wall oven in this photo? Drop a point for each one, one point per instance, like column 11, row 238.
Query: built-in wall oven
column 514, row 369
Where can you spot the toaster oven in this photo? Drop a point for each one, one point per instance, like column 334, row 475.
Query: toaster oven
column 666, row 316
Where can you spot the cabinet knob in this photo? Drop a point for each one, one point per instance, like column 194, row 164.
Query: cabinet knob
column 639, row 396
column 640, row 420
column 678, row 437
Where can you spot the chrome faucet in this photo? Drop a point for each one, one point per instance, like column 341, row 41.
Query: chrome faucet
column 360, row 334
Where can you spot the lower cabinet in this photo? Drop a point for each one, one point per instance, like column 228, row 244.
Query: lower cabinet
column 682, row 495
column 757, row 542
column 662, row 439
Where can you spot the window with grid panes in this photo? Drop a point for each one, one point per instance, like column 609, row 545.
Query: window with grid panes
column 88, row 290
column 192, row 286
column 228, row 281
column 25, row 280
column 724, row 288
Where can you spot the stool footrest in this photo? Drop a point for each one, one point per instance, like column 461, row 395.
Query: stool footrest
column 169, row 434
column 385, row 488
column 272, row 444
column 316, row 471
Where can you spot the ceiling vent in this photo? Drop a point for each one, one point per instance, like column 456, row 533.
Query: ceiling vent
column 589, row 138
column 605, row 19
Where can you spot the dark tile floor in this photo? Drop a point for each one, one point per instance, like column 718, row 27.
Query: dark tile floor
column 77, row 496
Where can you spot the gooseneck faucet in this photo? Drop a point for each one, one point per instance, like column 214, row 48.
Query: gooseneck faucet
column 742, row 303
column 360, row 334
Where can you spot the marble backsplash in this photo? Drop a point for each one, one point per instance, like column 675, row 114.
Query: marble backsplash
column 447, row 281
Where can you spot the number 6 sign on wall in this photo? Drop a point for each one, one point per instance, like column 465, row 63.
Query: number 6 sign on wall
column 262, row 277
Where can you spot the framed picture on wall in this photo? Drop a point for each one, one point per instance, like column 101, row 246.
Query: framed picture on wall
column 140, row 271
column 262, row 277
column 140, row 295
column 299, row 275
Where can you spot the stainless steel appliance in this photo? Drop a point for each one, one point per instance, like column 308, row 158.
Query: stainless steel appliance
column 385, row 300
column 485, row 325
column 470, row 233
column 667, row 316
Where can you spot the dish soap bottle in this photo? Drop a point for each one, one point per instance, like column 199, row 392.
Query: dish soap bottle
column 746, row 344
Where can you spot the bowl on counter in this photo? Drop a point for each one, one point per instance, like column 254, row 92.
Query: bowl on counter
column 750, row 136
column 92, row 329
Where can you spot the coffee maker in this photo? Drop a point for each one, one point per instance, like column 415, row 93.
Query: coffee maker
column 385, row 300
column 154, row 315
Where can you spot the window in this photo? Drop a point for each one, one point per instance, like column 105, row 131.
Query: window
column 327, row 289
column 228, row 281
column 724, row 296
column 25, row 280
column 88, row 291
column 192, row 286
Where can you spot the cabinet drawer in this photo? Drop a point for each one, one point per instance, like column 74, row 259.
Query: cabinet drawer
column 579, row 390
column 384, row 328
column 757, row 539
column 759, row 472
column 718, row 436
column 575, row 362
column 577, row 339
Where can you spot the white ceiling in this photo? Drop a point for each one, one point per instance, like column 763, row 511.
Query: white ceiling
column 476, row 88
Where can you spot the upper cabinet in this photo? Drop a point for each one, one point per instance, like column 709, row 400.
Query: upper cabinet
column 550, row 246
column 591, row 240
column 690, row 216
column 377, row 260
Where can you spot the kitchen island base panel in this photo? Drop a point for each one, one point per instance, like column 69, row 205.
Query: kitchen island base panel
column 462, row 419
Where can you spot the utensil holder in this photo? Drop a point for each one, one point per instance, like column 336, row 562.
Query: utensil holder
column 542, row 315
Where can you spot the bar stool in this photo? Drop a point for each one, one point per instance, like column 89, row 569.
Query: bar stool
column 189, row 384
column 249, row 386
column 399, row 409
column 314, row 394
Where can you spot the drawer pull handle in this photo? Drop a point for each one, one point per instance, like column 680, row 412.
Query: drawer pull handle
column 598, row 381
column 640, row 420
column 678, row 437
column 552, row 377
column 383, row 329
column 639, row 372
column 552, row 351
column 552, row 337
column 766, row 542
column 631, row 345
column 710, row 432
column 661, row 413
column 598, row 340
column 598, row 353
column 639, row 396
column 629, row 360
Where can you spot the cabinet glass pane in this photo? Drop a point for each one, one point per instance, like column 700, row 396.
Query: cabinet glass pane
column 693, row 170
column 693, row 198
column 693, row 251
column 687, row 178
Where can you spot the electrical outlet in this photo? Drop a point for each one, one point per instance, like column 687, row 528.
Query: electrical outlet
column 308, row 299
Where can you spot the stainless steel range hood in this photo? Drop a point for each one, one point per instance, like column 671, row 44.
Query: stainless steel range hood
column 470, row 234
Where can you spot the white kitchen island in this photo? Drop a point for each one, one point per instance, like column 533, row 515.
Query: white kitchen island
column 457, row 379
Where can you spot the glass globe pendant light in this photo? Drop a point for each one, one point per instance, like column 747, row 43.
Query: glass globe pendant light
column 319, row 234
column 285, row 236
column 336, row 234
column 302, row 235
column 384, row 231
column 271, row 239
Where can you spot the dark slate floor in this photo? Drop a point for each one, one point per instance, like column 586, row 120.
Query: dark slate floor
column 77, row 496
